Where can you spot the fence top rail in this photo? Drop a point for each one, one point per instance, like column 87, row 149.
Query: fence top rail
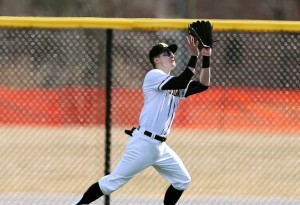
column 145, row 23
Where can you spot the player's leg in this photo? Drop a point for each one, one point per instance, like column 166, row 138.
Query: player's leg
column 139, row 154
column 172, row 195
column 93, row 193
column 135, row 158
column 172, row 168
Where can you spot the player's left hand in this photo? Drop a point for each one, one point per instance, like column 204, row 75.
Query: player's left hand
column 192, row 45
column 203, row 32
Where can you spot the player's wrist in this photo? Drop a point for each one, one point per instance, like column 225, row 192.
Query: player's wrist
column 206, row 52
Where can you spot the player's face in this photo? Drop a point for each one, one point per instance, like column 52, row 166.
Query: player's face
column 167, row 60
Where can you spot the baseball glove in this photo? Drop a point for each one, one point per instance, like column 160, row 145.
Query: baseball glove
column 202, row 31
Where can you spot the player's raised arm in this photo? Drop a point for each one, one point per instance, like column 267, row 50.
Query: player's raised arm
column 192, row 45
column 205, row 71
column 181, row 81
column 202, row 31
column 203, row 81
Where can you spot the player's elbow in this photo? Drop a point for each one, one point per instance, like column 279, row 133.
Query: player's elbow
column 205, row 82
column 203, row 86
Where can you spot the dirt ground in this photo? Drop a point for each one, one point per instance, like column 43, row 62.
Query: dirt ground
column 65, row 161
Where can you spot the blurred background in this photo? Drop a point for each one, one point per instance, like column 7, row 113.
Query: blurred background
column 212, row 9
column 239, row 140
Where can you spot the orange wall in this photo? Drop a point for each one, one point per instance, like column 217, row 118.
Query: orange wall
column 227, row 108
column 53, row 107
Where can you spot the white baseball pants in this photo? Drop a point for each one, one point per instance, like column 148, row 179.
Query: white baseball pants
column 141, row 152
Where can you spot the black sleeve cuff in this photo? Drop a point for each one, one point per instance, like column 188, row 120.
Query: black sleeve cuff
column 179, row 82
column 192, row 61
column 206, row 62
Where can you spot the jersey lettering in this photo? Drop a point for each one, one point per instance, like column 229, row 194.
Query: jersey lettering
column 174, row 92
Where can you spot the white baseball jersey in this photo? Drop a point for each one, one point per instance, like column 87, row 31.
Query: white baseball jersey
column 142, row 151
column 159, row 105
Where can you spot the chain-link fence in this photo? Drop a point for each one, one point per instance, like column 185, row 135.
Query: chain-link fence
column 239, row 140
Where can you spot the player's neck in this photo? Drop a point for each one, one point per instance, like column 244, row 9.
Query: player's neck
column 166, row 70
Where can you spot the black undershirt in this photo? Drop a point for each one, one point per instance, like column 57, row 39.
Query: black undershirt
column 181, row 82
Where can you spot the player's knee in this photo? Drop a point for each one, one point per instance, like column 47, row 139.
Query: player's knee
column 111, row 183
column 107, row 185
column 104, row 186
column 183, row 185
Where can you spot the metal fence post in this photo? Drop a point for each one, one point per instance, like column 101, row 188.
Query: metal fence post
column 109, row 37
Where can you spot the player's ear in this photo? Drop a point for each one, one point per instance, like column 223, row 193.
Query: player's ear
column 156, row 60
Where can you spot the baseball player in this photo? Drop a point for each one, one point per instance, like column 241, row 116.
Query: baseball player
column 147, row 144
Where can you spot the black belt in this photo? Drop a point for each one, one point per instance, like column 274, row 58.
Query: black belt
column 147, row 133
column 157, row 137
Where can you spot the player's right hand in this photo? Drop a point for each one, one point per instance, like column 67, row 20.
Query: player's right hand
column 192, row 45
